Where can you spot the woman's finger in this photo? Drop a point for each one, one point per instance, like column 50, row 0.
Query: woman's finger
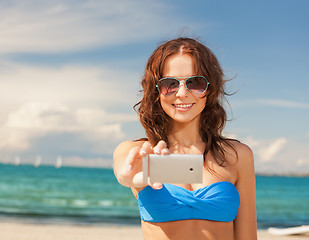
column 138, row 180
column 159, row 147
column 165, row 151
column 131, row 158
column 146, row 149
column 156, row 186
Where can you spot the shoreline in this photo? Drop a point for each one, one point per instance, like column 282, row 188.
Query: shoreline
column 49, row 231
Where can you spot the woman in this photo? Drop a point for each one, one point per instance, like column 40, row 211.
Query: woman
column 181, row 111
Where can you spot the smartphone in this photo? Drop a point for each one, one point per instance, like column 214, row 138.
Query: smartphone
column 173, row 168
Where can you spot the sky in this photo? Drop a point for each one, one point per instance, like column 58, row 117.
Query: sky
column 70, row 73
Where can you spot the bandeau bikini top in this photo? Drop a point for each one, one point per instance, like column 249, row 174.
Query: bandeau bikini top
column 217, row 202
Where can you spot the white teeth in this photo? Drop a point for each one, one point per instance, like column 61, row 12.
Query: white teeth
column 183, row 105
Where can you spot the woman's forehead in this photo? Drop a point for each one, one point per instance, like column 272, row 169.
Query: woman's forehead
column 179, row 65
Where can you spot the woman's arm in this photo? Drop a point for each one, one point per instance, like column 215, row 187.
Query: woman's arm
column 245, row 223
column 127, row 162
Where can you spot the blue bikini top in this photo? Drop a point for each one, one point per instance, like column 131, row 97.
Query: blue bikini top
column 217, row 202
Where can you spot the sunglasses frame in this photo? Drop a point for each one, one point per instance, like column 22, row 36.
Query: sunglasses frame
column 185, row 82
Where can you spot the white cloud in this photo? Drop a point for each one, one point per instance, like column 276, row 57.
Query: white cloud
column 79, row 103
column 14, row 140
column 40, row 116
column 35, row 120
column 57, row 117
column 268, row 152
column 253, row 143
column 283, row 103
column 230, row 135
column 301, row 162
column 63, row 25
column 276, row 156
column 74, row 84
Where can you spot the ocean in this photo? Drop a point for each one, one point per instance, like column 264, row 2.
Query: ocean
column 75, row 195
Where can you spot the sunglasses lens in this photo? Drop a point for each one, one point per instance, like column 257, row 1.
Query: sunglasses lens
column 197, row 85
column 168, row 86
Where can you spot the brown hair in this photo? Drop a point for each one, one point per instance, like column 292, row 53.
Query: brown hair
column 213, row 118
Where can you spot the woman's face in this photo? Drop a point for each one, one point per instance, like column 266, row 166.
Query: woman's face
column 183, row 106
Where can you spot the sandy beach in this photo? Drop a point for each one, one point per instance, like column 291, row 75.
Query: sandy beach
column 30, row 231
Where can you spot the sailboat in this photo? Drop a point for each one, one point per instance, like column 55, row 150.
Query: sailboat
column 58, row 162
column 37, row 161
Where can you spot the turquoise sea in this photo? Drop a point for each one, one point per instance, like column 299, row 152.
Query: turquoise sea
column 93, row 196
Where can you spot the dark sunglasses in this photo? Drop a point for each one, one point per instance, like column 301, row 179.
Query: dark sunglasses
column 170, row 85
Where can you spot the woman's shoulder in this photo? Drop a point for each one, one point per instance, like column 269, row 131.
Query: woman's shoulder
column 241, row 148
column 238, row 153
column 244, row 156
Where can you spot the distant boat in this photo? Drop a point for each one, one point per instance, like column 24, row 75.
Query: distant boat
column 37, row 161
column 58, row 162
column 17, row 161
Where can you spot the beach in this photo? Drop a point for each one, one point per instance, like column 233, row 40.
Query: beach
column 31, row 231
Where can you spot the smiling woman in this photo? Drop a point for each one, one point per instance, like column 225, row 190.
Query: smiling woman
column 182, row 113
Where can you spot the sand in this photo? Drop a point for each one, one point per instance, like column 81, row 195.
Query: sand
column 30, row 231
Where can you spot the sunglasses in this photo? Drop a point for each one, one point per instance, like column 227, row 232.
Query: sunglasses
column 170, row 85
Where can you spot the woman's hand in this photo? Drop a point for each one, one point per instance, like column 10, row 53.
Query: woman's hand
column 130, row 173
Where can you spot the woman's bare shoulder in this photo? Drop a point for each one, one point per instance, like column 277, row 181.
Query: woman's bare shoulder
column 240, row 147
column 244, row 152
column 239, row 153
column 244, row 159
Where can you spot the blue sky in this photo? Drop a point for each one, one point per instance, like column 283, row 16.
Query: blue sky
column 70, row 73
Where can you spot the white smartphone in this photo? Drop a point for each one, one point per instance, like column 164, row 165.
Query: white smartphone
column 173, row 168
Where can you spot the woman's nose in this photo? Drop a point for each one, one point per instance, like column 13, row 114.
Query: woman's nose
column 182, row 90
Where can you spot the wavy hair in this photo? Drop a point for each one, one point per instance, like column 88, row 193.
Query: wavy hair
column 157, row 123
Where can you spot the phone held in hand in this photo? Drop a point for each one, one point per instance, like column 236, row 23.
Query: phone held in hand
column 173, row 168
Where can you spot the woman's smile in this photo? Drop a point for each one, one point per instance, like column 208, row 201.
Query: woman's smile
column 183, row 106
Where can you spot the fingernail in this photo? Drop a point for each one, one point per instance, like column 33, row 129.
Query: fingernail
column 165, row 151
column 156, row 151
column 158, row 186
column 142, row 152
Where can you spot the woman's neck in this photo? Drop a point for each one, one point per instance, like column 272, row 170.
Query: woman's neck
column 185, row 138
